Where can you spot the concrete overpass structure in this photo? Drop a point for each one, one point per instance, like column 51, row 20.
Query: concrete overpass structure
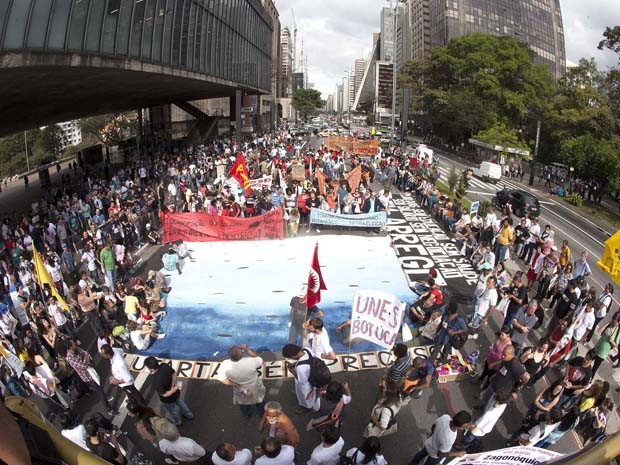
column 66, row 59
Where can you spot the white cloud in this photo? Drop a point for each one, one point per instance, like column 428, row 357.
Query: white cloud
column 336, row 32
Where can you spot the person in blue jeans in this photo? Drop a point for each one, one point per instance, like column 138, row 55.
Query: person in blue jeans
column 169, row 390
column 439, row 445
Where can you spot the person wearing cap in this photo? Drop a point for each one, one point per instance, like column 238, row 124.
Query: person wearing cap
column 159, row 279
column 549, row 268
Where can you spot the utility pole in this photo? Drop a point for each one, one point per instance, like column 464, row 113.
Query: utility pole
column 394, row 24
column 26, row 145
column 533, row 165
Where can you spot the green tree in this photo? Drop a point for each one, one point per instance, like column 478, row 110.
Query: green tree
column 476, row 81
column 51, row 140
column 580, row 108
column 499, row 134
column 611, row 39
column 109, row 129
column 594, row 158
column 453, row 178
column 307, row 102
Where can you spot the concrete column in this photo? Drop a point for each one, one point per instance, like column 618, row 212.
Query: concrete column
column 238, row 98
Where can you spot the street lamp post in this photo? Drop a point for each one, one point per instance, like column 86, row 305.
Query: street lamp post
column 533, row 167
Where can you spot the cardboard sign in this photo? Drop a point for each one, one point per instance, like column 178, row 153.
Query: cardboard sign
column 376, row 317
column 298, row 172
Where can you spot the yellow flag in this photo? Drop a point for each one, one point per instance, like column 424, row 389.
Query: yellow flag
column 610, row 261
column 43, row 276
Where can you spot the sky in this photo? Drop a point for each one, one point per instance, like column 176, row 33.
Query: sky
column 336, row 32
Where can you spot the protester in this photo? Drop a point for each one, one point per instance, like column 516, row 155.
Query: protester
column 168, row 387
column 279, row 424
column 439, row 445
column 368, row 453
column 227, row 454
column 181, row 449
column 241, row 373
column 275, row 453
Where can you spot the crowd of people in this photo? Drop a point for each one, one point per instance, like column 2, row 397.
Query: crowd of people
column 87, row 231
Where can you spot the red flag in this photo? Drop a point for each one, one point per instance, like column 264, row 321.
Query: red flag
column 315, row 280
column 239, row 171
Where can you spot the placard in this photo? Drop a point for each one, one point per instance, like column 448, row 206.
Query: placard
column 376, row 316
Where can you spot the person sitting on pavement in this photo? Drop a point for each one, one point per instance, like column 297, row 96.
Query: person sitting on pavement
column 419, row 377
column 142, row 335
column 170, row 260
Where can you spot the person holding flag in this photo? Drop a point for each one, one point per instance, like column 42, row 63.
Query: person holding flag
column 239, row 171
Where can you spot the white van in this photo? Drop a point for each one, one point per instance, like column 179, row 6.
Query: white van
column 422, row 152
column 488, row 171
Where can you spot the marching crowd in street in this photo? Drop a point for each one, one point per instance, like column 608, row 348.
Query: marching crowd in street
column 86, row 235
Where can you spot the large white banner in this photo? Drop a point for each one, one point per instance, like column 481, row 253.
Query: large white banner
column 376, row 317
column 519, row 455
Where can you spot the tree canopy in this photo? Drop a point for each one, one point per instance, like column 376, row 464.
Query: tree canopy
column 307, row 101
column 108, row 129
column 476, row 82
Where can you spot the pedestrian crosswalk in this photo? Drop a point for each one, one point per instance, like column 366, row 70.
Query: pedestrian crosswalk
column 476, row 183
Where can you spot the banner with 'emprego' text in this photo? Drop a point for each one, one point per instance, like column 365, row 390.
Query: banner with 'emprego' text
column 376, row 317
column 202, row 227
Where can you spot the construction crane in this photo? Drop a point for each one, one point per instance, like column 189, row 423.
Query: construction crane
column 294, row 40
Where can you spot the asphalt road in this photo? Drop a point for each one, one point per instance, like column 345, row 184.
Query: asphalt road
column 218, row 420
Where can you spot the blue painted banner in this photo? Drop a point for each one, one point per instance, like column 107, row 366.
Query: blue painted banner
column 356, row 220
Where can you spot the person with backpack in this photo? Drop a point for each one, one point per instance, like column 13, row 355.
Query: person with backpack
column 311, row 374
column 369, row 453
column 383, row 420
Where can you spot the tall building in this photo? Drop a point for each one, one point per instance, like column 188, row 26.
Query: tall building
column 538, row 23
column 286, row 62
column 360, row 68
column 386, row 50
column 71, row 133
column 419, row 12
column 298, row 81
column 268, row 102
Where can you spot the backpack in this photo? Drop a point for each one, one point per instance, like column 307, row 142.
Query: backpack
column 320, row 375
column 344, row 460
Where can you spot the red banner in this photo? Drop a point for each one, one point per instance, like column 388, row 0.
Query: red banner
column 201, row 227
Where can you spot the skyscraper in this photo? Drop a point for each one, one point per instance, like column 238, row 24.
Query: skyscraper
column 386, row 51
column 360, row 67
column 538, row 23
column 286, row 62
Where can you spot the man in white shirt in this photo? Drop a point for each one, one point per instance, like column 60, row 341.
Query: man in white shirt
column 439, row 444
column 306, row 394
column 275, row 453
column 328, row 452
column 583, row 322
column 227, row 454
column 318, row 340
column 485, row 301
column 241, row 373
column 59, row 319
column 73, row 433
column 121, row 375
column 181, row 448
